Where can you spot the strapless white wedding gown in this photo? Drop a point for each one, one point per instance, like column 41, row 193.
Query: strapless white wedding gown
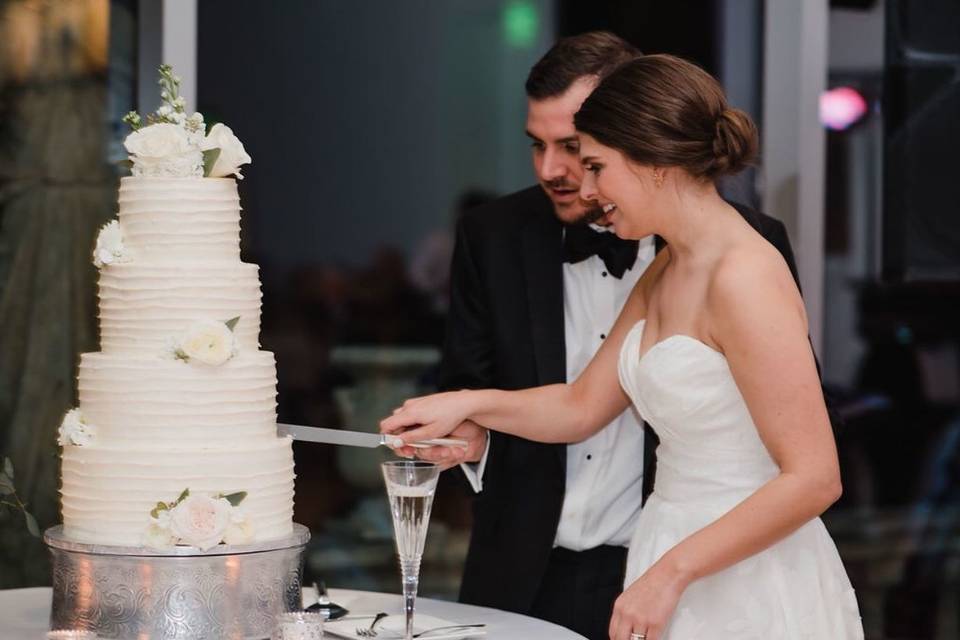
column 710, row 459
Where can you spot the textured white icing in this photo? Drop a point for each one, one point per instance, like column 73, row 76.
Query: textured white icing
column 108, row 491
column 143, row 306
column 169, row 220
column 175, row 404
column 163, row 425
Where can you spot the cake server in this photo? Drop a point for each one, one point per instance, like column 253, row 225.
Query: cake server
column 358, row 438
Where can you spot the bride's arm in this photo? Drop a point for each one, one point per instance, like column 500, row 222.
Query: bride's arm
column 759, row 322
column 553, row 413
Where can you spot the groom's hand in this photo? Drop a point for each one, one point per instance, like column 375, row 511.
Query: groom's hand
column 476, row 437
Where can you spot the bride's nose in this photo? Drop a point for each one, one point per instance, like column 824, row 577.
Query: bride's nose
column 588, row 187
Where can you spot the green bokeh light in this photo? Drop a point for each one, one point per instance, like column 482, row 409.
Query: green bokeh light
column 521, row 21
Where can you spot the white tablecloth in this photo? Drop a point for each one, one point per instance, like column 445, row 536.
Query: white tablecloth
column 25, row 614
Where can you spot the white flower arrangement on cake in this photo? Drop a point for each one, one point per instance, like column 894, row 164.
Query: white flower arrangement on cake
column 199, row 520
column 231, row 152
column 110, row 248
column 74, row 430
column 209, row 342
column 175, row 145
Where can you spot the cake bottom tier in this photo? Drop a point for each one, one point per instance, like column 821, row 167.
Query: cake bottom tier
column 108, row 493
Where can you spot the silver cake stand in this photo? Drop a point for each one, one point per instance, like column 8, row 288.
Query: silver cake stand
column 137, row 592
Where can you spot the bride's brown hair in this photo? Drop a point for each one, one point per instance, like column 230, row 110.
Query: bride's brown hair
column 663, row 111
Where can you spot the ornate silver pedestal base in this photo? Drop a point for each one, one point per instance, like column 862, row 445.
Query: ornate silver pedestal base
column 136, row 592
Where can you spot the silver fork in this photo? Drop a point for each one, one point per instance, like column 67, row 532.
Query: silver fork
column 370, row 632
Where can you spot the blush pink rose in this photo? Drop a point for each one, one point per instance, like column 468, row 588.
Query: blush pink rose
column 200, row 521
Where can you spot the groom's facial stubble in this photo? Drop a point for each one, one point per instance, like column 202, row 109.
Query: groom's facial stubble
column 556, row 151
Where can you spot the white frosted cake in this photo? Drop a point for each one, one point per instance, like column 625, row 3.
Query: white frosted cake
column 174, row 440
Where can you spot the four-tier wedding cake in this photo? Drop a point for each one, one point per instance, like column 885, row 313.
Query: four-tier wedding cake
column 174, row 440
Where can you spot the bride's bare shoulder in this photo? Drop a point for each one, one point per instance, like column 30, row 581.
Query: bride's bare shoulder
column 752, row 274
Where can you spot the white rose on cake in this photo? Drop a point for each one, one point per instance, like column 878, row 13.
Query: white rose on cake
column 110, row 248
column 240, row 529
column 158, row 535
column 209, row 342
column 232, row 153
column 164, row 150
column 200, row 521
column 75, row 430
column 158, row 141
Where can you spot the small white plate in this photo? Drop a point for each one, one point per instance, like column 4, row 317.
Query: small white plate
column 392, row 627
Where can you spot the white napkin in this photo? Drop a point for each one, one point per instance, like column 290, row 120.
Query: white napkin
column 392, row 628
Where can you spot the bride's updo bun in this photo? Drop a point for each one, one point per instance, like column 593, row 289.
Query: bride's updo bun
column 663, row 111
column 735, row 142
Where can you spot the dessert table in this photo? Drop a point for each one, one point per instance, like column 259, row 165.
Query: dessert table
column 24, row 614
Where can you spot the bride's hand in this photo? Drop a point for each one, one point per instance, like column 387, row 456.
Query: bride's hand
column 434, row 416
column 647, row 605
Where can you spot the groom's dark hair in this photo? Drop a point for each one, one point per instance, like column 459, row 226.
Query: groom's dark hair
column 594, row 53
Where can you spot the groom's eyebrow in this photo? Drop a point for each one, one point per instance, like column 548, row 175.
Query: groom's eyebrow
column 566, row 140
column 532, row 137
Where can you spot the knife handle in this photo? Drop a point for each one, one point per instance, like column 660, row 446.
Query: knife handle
column 439, row 442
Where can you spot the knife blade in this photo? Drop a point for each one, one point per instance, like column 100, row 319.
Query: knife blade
column 358, row 438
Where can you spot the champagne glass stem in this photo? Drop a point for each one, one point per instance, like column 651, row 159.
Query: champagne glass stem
column 410, row 570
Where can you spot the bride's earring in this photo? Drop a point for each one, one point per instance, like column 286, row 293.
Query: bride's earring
column 658, row 177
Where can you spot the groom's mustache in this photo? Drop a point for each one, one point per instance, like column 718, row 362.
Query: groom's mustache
column 560, row 183
column 593, row 212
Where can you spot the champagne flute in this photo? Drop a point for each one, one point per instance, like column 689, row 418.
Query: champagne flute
column 410, row 487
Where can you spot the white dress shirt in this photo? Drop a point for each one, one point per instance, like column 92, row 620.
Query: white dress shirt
column 604, row 480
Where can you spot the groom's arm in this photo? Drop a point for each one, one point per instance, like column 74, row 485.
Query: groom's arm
column 469, row 351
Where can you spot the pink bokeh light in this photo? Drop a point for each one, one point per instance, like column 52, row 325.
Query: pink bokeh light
column 841, row 107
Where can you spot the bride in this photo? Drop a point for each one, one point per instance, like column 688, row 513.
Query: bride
column 712, row 350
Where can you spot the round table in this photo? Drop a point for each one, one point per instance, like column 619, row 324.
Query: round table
column 25, row 614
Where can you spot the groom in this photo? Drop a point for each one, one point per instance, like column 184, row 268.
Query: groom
column 534, row 292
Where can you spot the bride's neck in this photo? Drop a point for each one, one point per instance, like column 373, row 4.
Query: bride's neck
column 696, row 222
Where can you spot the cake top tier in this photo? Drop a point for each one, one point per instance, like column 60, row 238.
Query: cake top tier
column 172, row 220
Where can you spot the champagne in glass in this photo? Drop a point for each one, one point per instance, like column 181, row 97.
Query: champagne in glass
column 410, row 487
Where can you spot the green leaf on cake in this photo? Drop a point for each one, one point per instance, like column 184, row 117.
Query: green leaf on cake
column 161, row 506
column 232, row 323
column 32, row 526
column 8, row 468
column 210, row 157
column 235, row 498
column 183, row 496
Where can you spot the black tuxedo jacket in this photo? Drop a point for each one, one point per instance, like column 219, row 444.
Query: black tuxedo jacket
column 506, row 331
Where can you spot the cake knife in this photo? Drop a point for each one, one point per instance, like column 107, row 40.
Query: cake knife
column 358, row 438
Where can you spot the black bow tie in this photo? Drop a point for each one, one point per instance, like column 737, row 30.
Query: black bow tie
column 581, row 241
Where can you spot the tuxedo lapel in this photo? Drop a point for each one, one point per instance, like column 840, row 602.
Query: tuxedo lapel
column 543, row 272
